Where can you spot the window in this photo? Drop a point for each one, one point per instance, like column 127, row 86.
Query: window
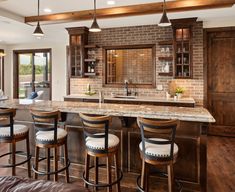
column 135, row 64
column 33, row 73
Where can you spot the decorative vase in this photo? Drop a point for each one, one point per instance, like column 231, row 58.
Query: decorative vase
column 179, row 95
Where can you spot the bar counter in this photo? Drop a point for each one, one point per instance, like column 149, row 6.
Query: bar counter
column 191, row 136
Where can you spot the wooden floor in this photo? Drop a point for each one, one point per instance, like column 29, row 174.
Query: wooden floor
column 221, row 166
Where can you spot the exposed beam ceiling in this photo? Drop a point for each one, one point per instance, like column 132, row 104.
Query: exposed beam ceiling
column 132, row 10
column 10, row 15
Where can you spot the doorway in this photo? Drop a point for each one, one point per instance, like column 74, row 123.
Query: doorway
column 220, row 79
column 32, row 74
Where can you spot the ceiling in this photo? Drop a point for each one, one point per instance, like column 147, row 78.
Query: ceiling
column 13, row 30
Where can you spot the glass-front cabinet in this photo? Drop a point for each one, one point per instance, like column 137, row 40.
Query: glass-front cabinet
column 183, row 54
column 78, row 38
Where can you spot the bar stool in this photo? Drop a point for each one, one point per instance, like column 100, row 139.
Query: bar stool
column 13, row 133
column 157, row 151
column 100, row 145
column 49, row 136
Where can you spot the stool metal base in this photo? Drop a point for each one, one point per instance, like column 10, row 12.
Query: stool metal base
column 103, row 185
column 49, row 173
column 17, row 164
column 161, row 174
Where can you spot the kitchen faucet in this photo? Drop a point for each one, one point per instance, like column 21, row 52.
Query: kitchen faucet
column 126, row 88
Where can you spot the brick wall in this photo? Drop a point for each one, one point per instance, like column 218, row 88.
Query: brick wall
column 148, row 34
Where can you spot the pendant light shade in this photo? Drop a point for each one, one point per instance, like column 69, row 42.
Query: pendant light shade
column 95, row 27
column 38, row 31
column 164, row 22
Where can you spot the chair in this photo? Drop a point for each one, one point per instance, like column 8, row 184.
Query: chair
column 157, row 151
column 40, row 95
column 100, row 145
column 49, row 136
column 12, row 133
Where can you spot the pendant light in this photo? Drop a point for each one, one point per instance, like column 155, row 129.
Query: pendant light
column 95, row 27
column 164, row 22
column 38, row 31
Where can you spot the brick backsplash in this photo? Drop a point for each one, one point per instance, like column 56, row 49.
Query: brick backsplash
column 148, row 34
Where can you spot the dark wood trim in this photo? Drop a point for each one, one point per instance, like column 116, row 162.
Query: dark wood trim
column 132, row 10
column 16, row 68
column 2, row 72
column 206, row 32
column 118, row 85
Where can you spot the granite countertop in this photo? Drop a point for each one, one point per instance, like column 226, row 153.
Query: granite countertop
column 137, row 98
column 197, row 114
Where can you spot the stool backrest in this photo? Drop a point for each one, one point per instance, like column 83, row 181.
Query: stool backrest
column 162, row 128
column 7, row 120
column 96, row 122
column 46, row 121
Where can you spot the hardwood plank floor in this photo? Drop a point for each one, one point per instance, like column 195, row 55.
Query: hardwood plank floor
column 221, row 166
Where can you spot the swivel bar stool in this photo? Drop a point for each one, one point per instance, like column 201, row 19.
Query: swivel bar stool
column 100, row 145
column 49, row 136
column 158, row 151
column 13, row 133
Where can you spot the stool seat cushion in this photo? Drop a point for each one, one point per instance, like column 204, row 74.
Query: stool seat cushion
column 49, row 135
column 98, row 143
column 17, row 130
column 158, row 150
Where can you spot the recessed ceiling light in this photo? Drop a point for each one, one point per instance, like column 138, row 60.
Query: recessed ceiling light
column 47, row 10
column 111, row 2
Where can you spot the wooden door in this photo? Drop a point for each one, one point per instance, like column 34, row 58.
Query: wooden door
column 221, row 80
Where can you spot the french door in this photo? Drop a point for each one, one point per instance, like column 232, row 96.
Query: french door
column 32, row 73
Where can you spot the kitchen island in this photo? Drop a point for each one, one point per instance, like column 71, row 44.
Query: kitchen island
column 191, row 135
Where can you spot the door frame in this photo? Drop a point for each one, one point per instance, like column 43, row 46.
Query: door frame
column 206, row 33
column 16, row 68
column 2, row 70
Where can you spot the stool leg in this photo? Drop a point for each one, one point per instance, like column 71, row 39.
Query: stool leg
column 116, row 171
column 87, row 164
column 55, row 164
column 28, row 155
column 96, row 175
column 109, row 174
column 48, row 162
column 66, row 161
column 142, row 184
column 170, row 177
column 13, row 158
column 144, row 176
column 36, row 162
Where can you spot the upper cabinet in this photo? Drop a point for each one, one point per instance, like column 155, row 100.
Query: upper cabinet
column 183, row 54
column 76, row 53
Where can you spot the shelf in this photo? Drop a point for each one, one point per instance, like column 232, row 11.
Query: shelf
column 92, row 46
column 165, row 58
column 90, row 60
column 165, row 74
column 167, row 42
column 90, row 74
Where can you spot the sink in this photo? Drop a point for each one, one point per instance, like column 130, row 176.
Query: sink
column 124, row 97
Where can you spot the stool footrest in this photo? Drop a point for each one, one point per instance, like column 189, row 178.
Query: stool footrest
column 16, row 164
column 49, row 173
column 161, row 174
column 102, row 185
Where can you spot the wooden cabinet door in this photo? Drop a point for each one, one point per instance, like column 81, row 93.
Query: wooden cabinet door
column 221, row 81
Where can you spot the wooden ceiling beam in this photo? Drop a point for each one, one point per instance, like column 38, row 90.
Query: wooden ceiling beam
column 132, row 10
